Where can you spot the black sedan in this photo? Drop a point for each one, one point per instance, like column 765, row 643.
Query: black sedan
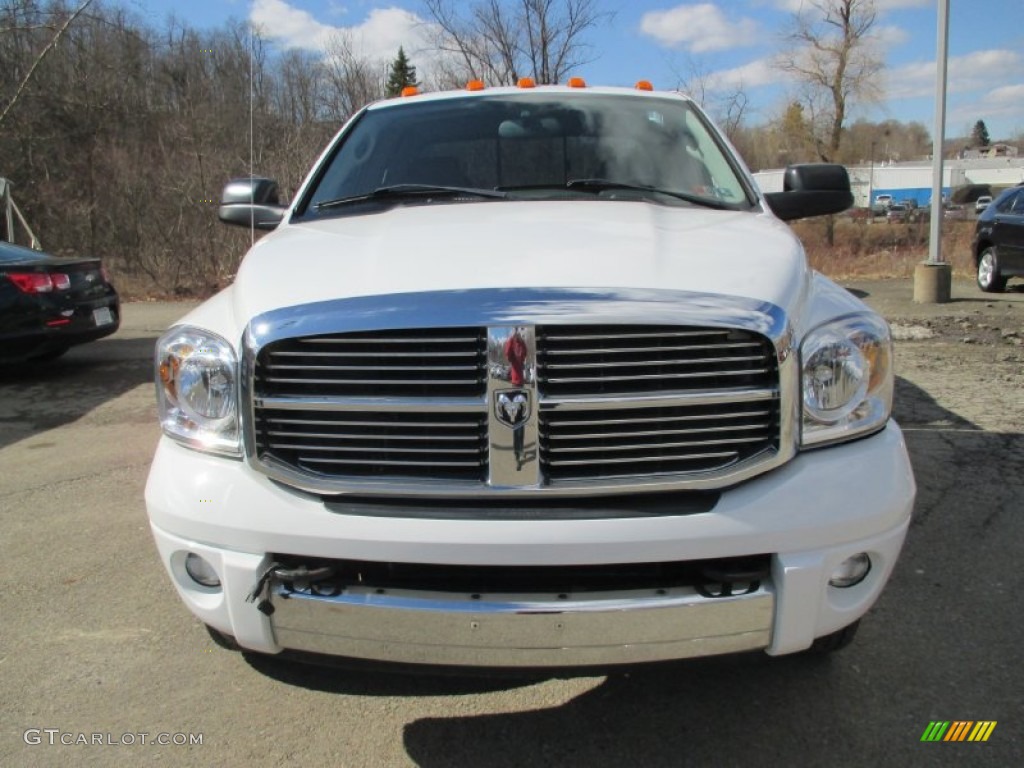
column 49, row 304
column 999, row 241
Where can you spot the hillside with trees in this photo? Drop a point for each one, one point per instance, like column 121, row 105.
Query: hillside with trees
column 118, row 135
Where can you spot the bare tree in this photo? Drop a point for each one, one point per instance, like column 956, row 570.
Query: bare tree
column 42, row 55
column 831, row 54
column 352, row 80
column 502, row 40
column 727, row 103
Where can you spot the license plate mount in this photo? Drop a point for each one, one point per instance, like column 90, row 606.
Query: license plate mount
column 102, row 316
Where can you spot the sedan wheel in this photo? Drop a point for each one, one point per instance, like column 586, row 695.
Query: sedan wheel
column 989, row 279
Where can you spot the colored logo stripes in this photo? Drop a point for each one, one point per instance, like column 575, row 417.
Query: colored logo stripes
column 958, row 730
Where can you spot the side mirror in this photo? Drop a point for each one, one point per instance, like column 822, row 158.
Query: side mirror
column 815, row 189
column 251, row 202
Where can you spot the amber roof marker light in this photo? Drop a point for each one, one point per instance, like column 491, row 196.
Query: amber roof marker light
column 475, row 85
column 410, row 90
column 577, row 82
column 644, row 85
column 527, row 82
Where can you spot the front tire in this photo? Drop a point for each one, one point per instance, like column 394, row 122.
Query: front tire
column 222, row 639
column 989, row 279
column 835, row 641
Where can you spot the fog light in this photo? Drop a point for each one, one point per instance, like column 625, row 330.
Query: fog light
column 201, row 571
column 851, row 571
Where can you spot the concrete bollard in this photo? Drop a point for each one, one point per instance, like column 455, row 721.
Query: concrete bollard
column 932, row 283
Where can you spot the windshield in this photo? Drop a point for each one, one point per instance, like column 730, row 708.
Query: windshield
column 537, row 145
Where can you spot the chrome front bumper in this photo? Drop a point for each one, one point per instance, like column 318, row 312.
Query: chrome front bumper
column 491, row 630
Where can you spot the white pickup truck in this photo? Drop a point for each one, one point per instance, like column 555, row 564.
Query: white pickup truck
column 530, row 377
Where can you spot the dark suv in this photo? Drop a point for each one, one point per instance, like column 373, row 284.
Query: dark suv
column 999, row 241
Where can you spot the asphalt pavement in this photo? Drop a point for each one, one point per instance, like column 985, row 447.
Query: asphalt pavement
column 96, row 647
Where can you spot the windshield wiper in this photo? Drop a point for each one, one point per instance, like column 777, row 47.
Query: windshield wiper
column 600, row 185
column 410, row 191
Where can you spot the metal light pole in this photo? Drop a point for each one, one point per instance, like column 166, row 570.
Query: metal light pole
column 871, row 182
column 933, row 278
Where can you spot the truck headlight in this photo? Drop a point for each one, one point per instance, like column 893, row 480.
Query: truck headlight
column 196, row 390
column 847, row 379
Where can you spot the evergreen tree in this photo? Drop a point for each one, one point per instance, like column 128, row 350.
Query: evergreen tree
column 979, row 136
column 401, row 75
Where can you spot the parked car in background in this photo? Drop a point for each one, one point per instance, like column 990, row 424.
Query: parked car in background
column 49, row 304
column 982, row 203
column 954, row 212
column 881, row 204
column 897, row 212
column 999, row 241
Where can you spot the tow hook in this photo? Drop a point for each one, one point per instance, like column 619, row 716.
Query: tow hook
column 731, row 582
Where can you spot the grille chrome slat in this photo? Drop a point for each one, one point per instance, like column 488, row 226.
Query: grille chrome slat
column 373, row 404
column 278, row 367
column 662, row 419
column 391, row 353
column 660, row 432
column 363, row 449
column 381, row 340
column 661, row 334
column 654, row 376
column 646, row 363
column 374, row 382
column 658, row 349
column 353, row 436
column 604, row 402
column 394, row 463
column 732, row 455
column 625, row 447
column 350, row 423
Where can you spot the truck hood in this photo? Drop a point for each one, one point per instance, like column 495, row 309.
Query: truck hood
column 508, row 245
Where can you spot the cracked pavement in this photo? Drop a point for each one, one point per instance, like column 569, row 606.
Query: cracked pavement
column 94, row 638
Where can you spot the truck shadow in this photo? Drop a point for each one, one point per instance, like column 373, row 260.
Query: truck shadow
column 41, row 396
column 379, row 680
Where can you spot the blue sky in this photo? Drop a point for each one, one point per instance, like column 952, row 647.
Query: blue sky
column 730, row 41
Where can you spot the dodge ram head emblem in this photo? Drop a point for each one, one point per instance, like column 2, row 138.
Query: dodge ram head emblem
column 512, row 407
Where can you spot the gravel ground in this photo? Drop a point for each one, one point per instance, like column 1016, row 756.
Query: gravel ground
column 95, row 641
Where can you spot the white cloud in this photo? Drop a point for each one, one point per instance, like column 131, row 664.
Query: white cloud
column 1004, row 103
column 699, row 28
column 1008, row 94
column 754, row 74
column 293, row 27
column 379, row 36
column 890, row 35
column 893, row 5
column 795, row 6
column 971, row 72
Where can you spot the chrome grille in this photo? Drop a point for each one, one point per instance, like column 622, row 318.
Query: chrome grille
column 627, row 360
column 657, row 440
column 311, row 413
column 434, row 362
column 616, row 408
column 371, row 443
